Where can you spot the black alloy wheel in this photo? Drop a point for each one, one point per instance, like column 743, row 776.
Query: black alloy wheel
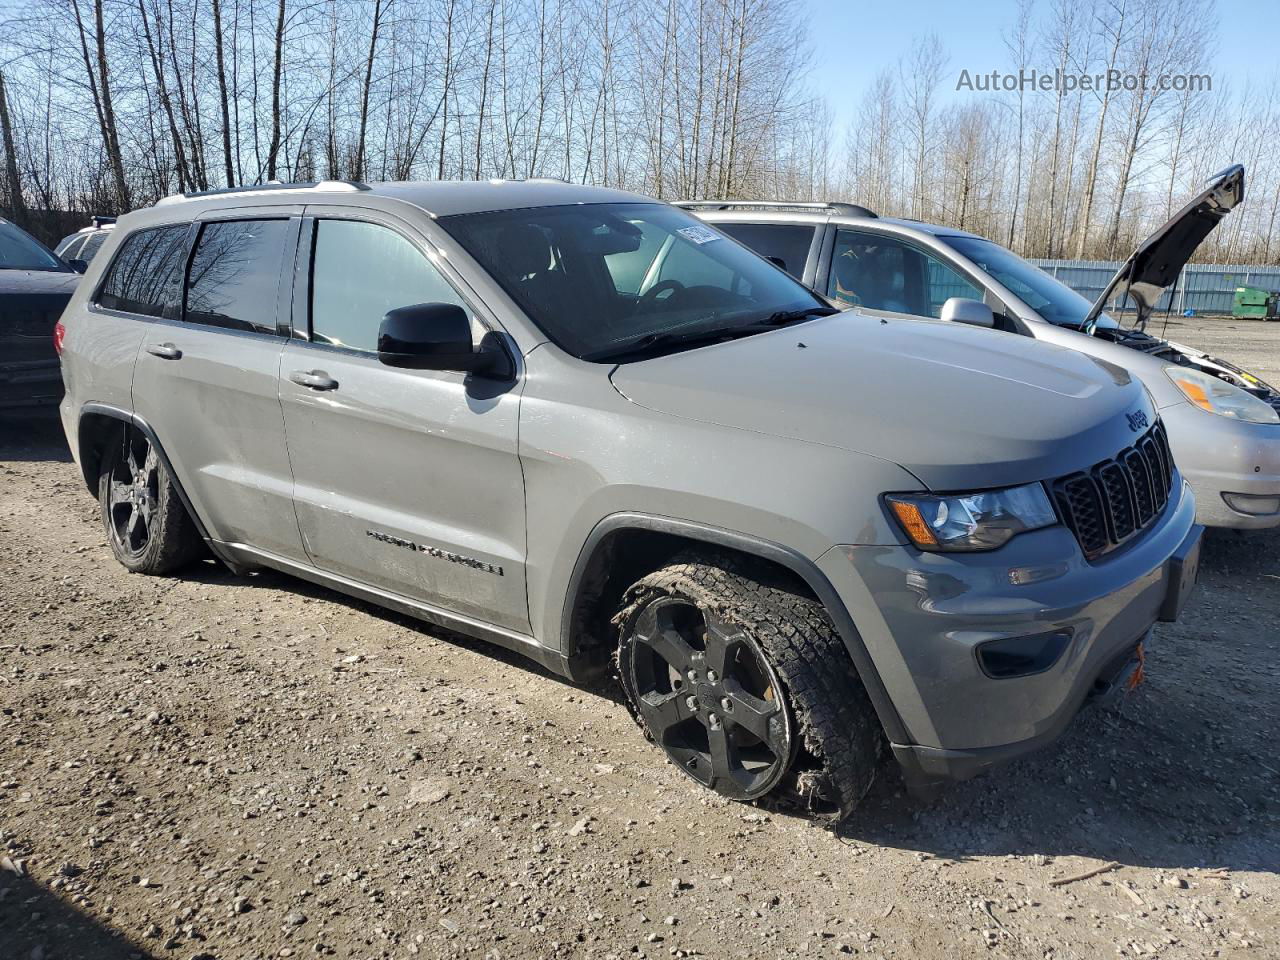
column 710, row 698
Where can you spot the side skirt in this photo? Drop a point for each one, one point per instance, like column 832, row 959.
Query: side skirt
column 517, row 642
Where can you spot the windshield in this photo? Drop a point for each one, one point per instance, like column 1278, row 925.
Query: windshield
column 602, row 280
column 1052, row 299
column 21, row 252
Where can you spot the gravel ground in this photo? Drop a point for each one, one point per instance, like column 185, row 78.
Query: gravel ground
column 223, row 767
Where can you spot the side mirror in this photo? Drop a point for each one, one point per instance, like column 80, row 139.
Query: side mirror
column 79, row 266
column 777, row 262
column 972, row 312
column 433, row 336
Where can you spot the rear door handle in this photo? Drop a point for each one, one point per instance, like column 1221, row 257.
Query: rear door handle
column 165, row 351
column 315, row 379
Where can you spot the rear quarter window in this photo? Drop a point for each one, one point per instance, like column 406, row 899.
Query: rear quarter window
column 141, row 278
column 91, row 247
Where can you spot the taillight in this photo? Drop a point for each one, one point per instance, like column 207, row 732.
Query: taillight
column 59, row 334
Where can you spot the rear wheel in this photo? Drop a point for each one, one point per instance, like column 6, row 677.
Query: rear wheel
column 746, row 685
column 146, row 523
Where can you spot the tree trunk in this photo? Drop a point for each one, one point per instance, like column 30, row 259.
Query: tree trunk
column 223, row 100
column 357, row 170
column 273, row 152
column 17, row 205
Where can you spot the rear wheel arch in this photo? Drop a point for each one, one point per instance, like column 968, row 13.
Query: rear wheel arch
column 99, row 424
column 625, row 546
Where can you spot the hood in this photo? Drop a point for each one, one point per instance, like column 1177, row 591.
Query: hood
column 1160, row 258
column 960, row 407
column 37, row 283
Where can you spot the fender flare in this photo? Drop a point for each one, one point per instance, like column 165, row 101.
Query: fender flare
column 797, row 563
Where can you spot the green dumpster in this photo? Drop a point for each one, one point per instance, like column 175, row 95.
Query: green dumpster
column 1250, row 302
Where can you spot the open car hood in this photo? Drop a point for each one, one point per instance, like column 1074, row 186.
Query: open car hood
column 1159, row 259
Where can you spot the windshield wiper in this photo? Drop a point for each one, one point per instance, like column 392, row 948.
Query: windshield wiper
column 783, row 317
column 661, row 340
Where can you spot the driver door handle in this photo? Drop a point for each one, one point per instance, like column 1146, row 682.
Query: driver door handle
column 165, row 351
column 314, row 379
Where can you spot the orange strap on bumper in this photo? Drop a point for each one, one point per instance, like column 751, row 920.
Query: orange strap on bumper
column 1136, row 678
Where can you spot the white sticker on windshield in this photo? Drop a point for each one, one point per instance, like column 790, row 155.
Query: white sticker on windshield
column 698, row 235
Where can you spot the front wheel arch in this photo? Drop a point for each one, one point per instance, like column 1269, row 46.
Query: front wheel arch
column 597, row 583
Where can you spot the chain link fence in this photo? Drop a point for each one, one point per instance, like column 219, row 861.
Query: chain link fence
column 1206, row 288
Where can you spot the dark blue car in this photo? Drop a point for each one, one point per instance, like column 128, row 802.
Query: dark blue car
column 35, row 286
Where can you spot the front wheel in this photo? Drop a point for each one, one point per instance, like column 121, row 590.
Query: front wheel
column 146, row 523
column 746, row 685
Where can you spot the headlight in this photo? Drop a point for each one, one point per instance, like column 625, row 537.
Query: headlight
column 1217, row 396
column 972, row 521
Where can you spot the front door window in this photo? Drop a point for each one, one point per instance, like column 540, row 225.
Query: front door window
column 883, row 273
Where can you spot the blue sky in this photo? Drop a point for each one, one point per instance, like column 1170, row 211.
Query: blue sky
column 854, row 39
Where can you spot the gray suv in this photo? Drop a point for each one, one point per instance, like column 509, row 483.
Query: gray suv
column 584, row 425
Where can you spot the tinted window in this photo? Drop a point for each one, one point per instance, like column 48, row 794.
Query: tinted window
column 146, row 266
column 1049, row 297
column 555, row 262
column 70, row 249
column 18, row 251
column 883, row 273
column 788, row 242
column 235, row 273
column 91, row 247
column 359, row 272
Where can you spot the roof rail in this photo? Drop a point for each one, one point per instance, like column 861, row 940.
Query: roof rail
column 342, row 186
column 98, row 221
column 826, row 206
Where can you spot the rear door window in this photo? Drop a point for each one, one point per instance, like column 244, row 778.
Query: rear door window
column 234, row 276
column 785, row 242
column 142, row 276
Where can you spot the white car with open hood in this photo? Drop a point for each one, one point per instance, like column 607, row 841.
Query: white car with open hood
column 1223, row 422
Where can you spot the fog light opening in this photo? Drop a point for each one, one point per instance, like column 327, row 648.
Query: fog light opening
column 1022, row 656
column 1252, row 504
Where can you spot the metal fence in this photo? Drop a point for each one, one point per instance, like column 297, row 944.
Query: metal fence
column 1203, row 287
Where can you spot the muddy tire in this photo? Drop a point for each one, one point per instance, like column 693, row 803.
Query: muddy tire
column 744, row 682
column 146, row 523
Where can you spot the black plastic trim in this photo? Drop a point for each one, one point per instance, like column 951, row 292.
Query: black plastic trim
column 792, row 560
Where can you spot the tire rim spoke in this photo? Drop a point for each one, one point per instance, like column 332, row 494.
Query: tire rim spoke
column 663, row 713
column 722, row 642
column 724, row 763
column 119, row 492
column 134, row 529
column 664, row 639
column 751, row 713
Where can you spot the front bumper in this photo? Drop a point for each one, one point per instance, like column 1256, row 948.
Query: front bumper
column 1221, row 456
column 923, row 617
